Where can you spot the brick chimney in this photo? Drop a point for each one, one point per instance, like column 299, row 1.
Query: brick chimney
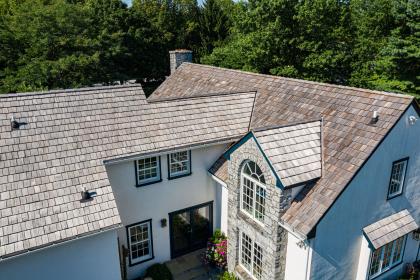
column 177, row 57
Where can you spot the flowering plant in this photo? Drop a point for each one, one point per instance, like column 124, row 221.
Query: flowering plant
column 216, row 252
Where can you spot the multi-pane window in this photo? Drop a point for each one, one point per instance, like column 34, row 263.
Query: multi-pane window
column 253, row 191
column 140, row 242
column 251, row 256
column 148, row 170
column 396, row 183
column 385, row 257
column 179, row 164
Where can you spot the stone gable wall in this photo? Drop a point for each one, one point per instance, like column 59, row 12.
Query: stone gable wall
column 271, row 237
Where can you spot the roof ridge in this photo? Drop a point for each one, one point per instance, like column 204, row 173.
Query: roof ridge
column 198, row 96
column 264, row 128
column 386, row 93
column 70, row 90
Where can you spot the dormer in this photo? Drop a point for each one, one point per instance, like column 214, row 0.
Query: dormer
column 293, row 152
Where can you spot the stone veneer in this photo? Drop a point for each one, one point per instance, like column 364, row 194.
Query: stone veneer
column 271, row 237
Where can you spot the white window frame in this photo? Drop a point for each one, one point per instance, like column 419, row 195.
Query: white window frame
column 149, row 240
column 254, row 244
column 392, row 263
column 256, row 184
column 401, row 180
column 173, row 175
column 150, row 180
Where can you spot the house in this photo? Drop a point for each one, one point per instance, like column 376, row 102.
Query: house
column 308, row 180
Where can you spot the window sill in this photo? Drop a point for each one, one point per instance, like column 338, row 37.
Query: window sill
column 243, row 274
column 179, row 176
column 385, row 271
column 148, row 183
column 140, row 262
column 250, row 220
column 394, row 196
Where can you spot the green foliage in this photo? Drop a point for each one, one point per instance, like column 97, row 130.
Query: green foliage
column 227, row 276
column 216, row 251
column 366, row 43
column 159, row 271
column 47, row 44
column 214, row 25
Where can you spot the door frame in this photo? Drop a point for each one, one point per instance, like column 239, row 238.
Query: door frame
column 171, row 214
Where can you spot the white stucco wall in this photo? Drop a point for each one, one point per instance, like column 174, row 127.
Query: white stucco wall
column 157, row 200
column 338, row 241
column 94, row 257
column 224, row 208
column 297, row 259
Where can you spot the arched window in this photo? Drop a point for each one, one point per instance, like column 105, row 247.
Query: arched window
column 253, row 191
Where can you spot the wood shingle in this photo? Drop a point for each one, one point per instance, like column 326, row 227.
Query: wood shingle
column 349, row 137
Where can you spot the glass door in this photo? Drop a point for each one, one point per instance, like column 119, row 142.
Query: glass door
column 190, row 229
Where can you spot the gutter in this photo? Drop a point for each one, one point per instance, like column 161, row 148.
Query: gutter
column 295, row 233
column 218, row 180
column 171, row 150
column 57, row 243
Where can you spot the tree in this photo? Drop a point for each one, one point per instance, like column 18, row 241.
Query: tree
column 394, row 65
column 325, row 39
column 45, row 44
column 214, row 24
column 262, row 39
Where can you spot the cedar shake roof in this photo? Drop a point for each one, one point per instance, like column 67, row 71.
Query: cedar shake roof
column 390, row 228
column 66, row 136
column 220, row 168
column 294, row 151
column 349, row 138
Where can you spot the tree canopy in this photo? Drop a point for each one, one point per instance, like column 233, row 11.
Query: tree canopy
column 49, row 44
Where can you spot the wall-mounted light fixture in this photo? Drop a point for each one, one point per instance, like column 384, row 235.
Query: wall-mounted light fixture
column 416, row 234
column 412, row 120
column 163, row 222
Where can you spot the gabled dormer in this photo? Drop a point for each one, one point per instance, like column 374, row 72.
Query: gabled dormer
column 293, row 152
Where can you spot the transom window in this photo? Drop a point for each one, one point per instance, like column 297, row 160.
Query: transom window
column 140, row 242
column 251, row 256
column 396, row 183
column 386, row 257
column 253, row 191
column 148, row 170
column 179, row 164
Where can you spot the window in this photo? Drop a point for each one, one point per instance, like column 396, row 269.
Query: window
column 251, row 256
column 386, row 257
column 398, row 172
column 140, row 242
column 179, row 164
column 253, row 191
column 148, row 170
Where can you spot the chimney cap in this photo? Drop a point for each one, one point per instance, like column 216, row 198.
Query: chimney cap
column 181, row 51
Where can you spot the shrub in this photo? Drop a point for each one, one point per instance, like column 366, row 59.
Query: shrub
column 216, row 252
column 159, row 271
column 227, row 276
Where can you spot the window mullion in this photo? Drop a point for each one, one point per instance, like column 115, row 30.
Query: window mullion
column 252, row 258
column 254, row 203
column 381, row 259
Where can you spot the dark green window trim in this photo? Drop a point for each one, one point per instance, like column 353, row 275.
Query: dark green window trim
column 159, row 179
column 406, row 159
column 181, row 175
column 130, row 263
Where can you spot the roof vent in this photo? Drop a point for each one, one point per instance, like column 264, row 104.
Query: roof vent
column 375, row 117
column 14, row 123
column 87, row 195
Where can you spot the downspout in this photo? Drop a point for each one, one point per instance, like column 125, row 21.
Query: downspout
column 308, row 261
